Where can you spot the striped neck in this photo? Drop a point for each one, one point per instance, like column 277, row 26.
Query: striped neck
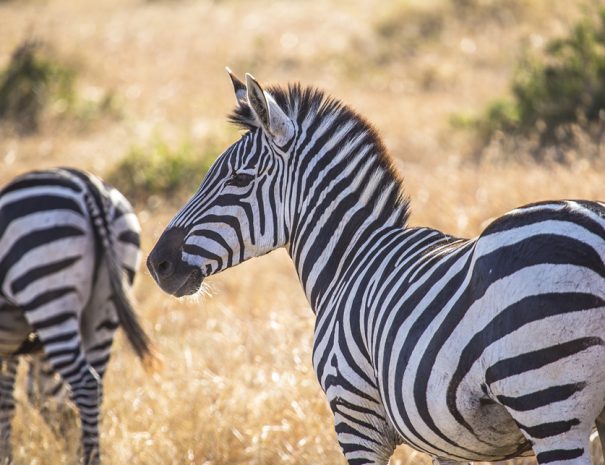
column 343, row 188
column 338, row 181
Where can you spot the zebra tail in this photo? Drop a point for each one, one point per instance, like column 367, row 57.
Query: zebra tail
column 129, row 321
column 127, row 317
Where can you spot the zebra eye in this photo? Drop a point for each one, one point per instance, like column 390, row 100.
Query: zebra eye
column 240, row 179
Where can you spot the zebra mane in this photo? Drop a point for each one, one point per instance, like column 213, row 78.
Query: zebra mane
column 301, row 103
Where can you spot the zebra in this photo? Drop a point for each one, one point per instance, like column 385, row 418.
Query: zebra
column 69, row 251
column 478, row 349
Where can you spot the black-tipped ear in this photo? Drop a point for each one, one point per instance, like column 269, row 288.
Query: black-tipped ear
column 238, row 87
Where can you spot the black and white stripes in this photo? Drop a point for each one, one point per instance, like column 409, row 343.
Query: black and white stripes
column 468, row 350
column 69, row 247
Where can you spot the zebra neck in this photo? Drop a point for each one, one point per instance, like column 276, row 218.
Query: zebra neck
column 330, row 248
column 335, row 263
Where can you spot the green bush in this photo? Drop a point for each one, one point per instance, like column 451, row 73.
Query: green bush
column 160, row 171
column 550, row 93
column 31, row 79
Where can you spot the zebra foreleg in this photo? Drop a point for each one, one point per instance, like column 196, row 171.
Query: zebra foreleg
column 8, row 373
column 365, row 439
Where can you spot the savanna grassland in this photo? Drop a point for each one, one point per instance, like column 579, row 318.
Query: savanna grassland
column 237, row 385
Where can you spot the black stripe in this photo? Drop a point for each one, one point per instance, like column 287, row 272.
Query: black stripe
column 54, row 320
column 32, row 240
column 546, row 430
column 46, row 297
column 130, row 237
column 538, row 358
column 49, row 179
column 108, row 325
column 541, row 398
column 63, row 351
column 35, row 204
column 130, row 274
column 344, row 428
column 78, row 369
column 559, row 454
column 260, row 204
column 103, row 345
column 564, row 213
column 60, row 338
column 32, row 275
column 56, row 389
column 100, row 364
column 204, row 253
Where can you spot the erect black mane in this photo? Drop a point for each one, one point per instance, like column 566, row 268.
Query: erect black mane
column 300, row 103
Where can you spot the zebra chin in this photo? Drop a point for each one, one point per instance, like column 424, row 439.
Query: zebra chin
column 182, row 283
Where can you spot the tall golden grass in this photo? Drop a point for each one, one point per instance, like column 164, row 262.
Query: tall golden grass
column 238, row 386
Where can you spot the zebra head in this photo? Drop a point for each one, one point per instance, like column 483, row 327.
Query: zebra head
column 238, row 211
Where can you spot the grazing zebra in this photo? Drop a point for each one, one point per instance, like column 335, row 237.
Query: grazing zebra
column 67, row 244
column 468, row 350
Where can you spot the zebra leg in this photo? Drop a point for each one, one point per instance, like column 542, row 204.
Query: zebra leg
column 559, row 435
column 8, row 373
column 365, row 439
column 64, row 351
column 600, row 422
column 47, row 392
column 563, row 450
column 99, row 323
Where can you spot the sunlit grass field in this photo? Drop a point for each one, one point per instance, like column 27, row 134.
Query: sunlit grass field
column 237, row 385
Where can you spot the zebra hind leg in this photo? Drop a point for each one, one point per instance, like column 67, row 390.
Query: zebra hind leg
column 559, row 432
column 63, row 349
column 8, row 373
column 600, row 422
column 551, row 447
column 47, row 392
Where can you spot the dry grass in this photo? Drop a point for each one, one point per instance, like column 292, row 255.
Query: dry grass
column 238, row 386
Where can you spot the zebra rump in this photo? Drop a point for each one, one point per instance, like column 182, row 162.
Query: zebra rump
column 69, row 251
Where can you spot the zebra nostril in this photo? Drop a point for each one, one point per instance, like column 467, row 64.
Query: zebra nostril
column 164, row 268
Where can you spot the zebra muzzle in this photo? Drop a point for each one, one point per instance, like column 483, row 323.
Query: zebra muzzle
column 167, row 267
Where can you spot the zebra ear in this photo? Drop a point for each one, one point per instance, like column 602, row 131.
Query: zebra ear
column 271, row 117
column 239, row 88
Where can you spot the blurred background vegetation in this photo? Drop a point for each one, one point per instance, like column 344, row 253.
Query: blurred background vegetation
column 484, row 105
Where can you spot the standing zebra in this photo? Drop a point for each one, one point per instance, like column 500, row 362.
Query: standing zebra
column 67, row 244
column 468, row 350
